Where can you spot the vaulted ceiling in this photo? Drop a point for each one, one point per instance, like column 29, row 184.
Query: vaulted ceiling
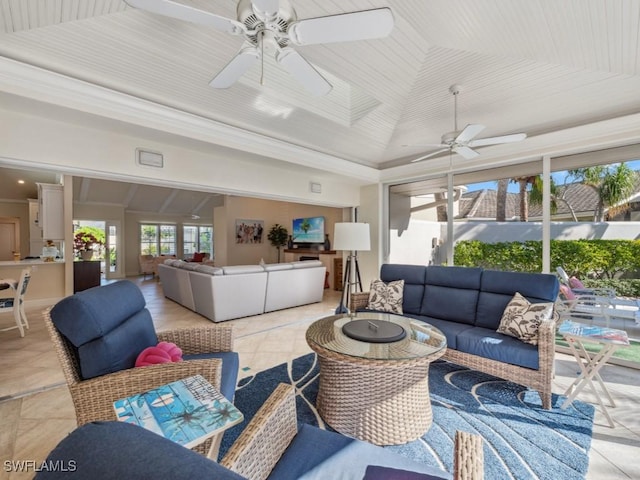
column 534, row 66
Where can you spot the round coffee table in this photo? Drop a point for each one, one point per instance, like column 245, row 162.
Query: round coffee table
column 375, row 391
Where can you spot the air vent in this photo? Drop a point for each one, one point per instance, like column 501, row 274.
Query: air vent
column 147, row 158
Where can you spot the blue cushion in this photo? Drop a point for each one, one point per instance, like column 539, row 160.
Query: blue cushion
column 451, row 293
column 316, row 454
column 90, row 314
column 376, row 472
column 6, row 302
column 458, row 277
column 230, row 367
column 497, row 290
column 414, row 279
column 118, row 349
column 487, row 343
column 114, row 450
column 451, row 330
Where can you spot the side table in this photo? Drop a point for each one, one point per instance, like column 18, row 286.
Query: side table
column 577, row 335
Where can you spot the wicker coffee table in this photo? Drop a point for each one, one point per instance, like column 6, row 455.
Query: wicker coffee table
column 375, row 391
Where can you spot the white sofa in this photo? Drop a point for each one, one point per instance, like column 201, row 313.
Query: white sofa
column 226, row 293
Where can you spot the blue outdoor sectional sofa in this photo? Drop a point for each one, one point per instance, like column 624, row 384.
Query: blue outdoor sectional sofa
column 467, row 305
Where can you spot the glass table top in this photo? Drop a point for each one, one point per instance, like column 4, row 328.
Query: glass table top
column 422, row 340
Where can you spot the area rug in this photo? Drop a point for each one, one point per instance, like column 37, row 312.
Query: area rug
column 521, row 439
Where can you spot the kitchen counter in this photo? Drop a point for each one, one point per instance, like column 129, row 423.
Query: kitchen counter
column 47, row 279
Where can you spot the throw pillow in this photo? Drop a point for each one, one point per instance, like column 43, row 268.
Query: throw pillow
column 164, row 352
column 198, row 257
column 521, row 319
column 575, row 283
column 567, row 293
column 386, row 297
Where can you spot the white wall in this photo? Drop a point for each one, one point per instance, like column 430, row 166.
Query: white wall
column 36, row 141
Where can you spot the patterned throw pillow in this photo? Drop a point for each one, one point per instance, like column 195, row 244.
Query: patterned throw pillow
column 521, row 318
column 386, row 297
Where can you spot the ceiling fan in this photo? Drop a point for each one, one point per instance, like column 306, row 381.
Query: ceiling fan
column 273, row 26
column 462, row 142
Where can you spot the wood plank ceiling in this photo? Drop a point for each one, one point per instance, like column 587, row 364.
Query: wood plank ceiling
column 532, row 66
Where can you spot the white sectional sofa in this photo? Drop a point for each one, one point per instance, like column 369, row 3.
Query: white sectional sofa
column 226, row 293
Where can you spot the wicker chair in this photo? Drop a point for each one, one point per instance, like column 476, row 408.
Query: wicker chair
column 266, row 438
column 268, row 446
column 93, row 398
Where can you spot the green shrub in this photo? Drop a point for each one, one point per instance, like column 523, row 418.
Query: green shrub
column 586, row 259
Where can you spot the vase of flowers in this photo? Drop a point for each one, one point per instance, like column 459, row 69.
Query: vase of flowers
column 84, row 242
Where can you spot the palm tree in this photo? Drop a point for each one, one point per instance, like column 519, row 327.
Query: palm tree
column 524, row 182
column 614, row 184
column 501, row 200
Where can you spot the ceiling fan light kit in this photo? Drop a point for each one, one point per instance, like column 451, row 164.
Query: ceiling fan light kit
column 462, row 142
column 272, row 26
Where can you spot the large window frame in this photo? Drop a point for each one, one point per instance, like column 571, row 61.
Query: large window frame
column 197, row 238
column 158, row 239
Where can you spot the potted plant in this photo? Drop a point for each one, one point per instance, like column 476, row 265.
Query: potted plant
column 278, row 236
column 84, row 240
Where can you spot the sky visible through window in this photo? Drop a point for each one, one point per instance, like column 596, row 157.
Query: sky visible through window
column 513, row 187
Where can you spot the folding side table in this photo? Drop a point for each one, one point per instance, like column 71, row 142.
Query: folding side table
column 577, row 335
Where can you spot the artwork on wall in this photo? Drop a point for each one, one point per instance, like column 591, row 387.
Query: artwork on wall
column 249, row 231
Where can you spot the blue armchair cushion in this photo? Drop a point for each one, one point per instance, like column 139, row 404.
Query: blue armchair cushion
column 377, row 472
column 451, row 330
column 108, row 326
column 117, row 450
column 316, row 454
column 230, row 367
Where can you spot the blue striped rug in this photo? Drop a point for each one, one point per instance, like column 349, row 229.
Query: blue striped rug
column 521, row 439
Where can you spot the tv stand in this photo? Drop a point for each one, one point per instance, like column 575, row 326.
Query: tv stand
column 325, row 256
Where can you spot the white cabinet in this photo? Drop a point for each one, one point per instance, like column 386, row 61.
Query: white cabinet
column 51, row 205
column 35, row 230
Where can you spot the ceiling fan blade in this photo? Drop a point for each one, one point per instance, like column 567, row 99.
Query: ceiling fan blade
column 469, row 132
column 238, row 65
column 303, row 71
column 466, row 152
column 189, row 14
column 345, row 27
column 266, row 8
column 428, row 155
column 481, row 142
column 428, row 145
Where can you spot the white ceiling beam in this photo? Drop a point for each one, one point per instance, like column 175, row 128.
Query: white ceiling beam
column 133, row 189
column 84, row 189
column 174, row 193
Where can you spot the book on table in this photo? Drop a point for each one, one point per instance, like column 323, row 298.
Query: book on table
column 187, row 411
column 594, row 332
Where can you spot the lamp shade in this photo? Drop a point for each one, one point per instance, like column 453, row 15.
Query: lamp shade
column 351, row 236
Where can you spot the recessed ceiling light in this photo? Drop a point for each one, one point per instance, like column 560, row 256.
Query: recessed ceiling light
column 20, row 182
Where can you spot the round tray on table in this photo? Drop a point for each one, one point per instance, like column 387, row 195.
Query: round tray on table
column 374, row 331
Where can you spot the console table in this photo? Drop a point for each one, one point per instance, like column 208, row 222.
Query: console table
column 86, row 274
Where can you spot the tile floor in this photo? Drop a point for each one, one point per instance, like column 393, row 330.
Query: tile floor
column 36, row 410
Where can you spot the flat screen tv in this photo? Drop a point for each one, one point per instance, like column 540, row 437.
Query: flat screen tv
column 308, row 230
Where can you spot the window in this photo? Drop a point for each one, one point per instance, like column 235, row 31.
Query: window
column 197, row 238
column 157, row 239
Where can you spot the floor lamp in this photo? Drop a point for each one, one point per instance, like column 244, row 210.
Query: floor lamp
column 352, row 237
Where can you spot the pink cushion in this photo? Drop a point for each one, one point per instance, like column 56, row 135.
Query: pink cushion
column 575, row 283
column 164, row 352
column 566, row 292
